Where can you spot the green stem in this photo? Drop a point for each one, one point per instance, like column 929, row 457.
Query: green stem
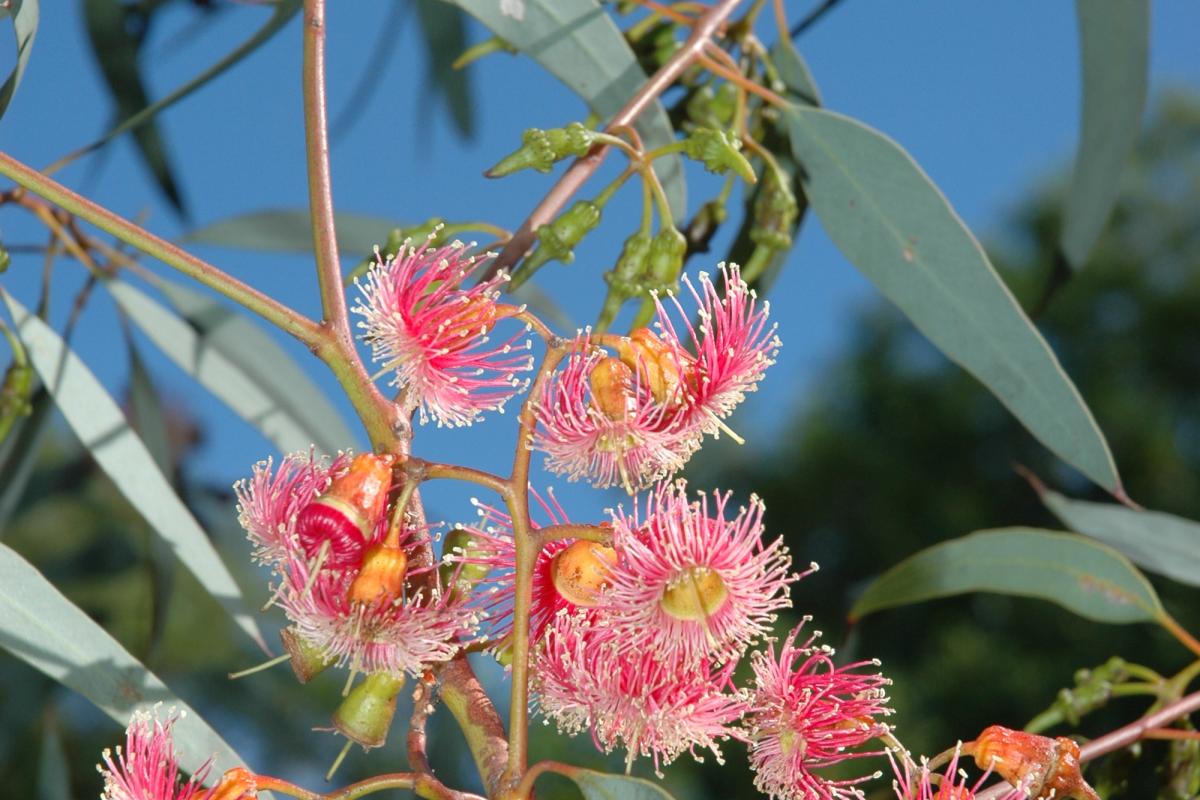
column 429, row 470
column 666, row 149
column 266, row 307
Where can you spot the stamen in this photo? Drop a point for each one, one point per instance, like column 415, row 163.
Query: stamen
column 233, row 676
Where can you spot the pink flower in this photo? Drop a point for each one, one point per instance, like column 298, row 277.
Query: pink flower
column 640, row 424
column 268, row 502
column 806, row 714
column 920, row 784
column 631, row 700
column 423, row 323
column 148, row 767
column 690, row 584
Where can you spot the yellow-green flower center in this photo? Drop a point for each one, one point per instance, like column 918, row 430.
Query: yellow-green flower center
column 694, row 594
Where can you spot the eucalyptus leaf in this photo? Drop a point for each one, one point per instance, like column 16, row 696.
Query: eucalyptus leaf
column 240, row 364
column 1162, row 543
column 116, row 49
column 1090, row 579
column 45, row 630
column 445, row 31
column 605, row 786
column 24, row 15
column 578, row 42
column 290, row 231
column 101, row 427
column 1114, row 43
column 892, row 223
column 794, row 72
column 54, row 772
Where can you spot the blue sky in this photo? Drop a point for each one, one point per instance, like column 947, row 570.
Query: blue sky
column 984, row 96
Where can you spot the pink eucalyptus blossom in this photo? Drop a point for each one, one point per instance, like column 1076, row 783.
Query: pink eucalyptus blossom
column 806, row 714
column 689, row 583
column 433, row 332
column 631, row 700
column 147, row 768
column 679, row 388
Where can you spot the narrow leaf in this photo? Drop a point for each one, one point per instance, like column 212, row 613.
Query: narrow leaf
column 54, row 772
column 578, row 42
column 445, row 38
column 1090, row 579
column 47, row 631
column 892, row 223
column 290, row 231
column 101, row 427
column 794, row 72
column 1162, row 543
column 116, row 50
column 24, row 15
column 226, row 353
column 605, row 786
column 1114, row 41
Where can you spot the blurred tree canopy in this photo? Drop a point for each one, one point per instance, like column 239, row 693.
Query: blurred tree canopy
column 896, row 449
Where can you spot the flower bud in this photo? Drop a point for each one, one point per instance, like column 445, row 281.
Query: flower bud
column 366, row 714
column 1038, row 765
column 558, row 239
column 719, row 153
column 307, row 661
column 626, row 277
column 461, row 560
column 665, row 261
column 381, row 577
column 542, row 149
column 713, row 108
column 775, row 212
column 611, row 382
column 347, row 513
column 581, row 571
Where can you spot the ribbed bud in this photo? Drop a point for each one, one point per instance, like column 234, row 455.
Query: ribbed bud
column 611, row 382
column 665, row 261
column 626, row 277
column 460, row 544
column 307, row 661
column 558, row 239
column 345, row 516
column 1038, row 765
column 719, row 153
column 541, row 149
column 366, row 714
column 381, row 577
column 775, row 211
column 581, row 572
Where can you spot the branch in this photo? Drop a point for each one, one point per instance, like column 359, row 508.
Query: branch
column 473, row 709
column 582, row 168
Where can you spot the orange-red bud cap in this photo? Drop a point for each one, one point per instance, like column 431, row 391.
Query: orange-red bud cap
column 366, row 714
column 611, row 382
column 345, row 516
column 381, row 577
column 307, row 661
column 581, row 571
column 238, row 783
column 1040, row 766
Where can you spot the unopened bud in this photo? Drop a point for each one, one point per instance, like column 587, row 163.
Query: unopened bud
column 1038, row 765
column 347, row 513
column 541, row 149
column 558, row 239
column 307, row 661
column 719, row 153
column 775, row 212
column 381, row 577
column 665, row 261
column 626, row 277
column 462, row 562
column 365, row 716
column 611, row 382
column 581, row 572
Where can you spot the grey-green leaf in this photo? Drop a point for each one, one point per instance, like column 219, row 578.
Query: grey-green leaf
column 290, row 231
column 604, row 786
column 1114, row 41
column 794, row 72
column 47, row 631
column 445, row 32
column 1085, row 577
column 226, row 352
column 1162, row 543
column 54, row 772
column 98, row 422
column 892, row 223
column 24, row 15
column 578, row 42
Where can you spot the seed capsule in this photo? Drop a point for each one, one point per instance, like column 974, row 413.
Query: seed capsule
column 581, row 571
column 366, row 714
column 347, row 514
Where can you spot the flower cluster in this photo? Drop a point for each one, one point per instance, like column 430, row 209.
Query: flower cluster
column 638, row 417
column 343, row 565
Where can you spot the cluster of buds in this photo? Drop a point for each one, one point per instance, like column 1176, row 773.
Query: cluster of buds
column 541, row 150
column 637, row 417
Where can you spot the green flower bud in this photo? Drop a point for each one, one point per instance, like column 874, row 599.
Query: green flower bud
column 542, row 149
column 711, row 108
column 558, row 239
column 666, row 259
column 365, row 716
column 626, row 277
column 455, row 574
column 307, row 661
column 775, row 212
column 718, row 152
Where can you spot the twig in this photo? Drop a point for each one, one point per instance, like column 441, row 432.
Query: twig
column 584, row 167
